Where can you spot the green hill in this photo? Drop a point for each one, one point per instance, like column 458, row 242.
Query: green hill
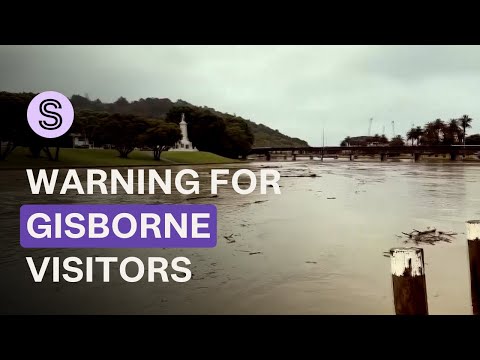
column 158, row 108
column 265, row 136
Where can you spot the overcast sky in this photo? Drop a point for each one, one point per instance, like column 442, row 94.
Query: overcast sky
column 295, row 89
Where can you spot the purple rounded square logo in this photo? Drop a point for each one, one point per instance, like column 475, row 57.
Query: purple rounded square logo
column 118, row 226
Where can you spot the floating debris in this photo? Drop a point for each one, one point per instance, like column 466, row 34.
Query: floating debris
column 300, row 176
column 229, row 239
column 243, row 183
column 429, row 236
column 259, row 201
column 255, row 253
column 202, row 197
column 331, row 198
column 310, row 262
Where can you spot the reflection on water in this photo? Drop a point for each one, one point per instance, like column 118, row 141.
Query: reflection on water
column 315, row 249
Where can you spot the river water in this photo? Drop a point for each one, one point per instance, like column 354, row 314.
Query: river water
column 315, row 249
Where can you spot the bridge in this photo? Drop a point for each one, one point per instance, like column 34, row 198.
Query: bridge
column 352, row 152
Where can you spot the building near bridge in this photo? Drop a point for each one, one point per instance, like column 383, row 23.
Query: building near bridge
column 365, row 141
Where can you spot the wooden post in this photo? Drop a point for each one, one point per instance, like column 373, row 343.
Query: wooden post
column 473, row 239
column 416, row 157
column 409, row 284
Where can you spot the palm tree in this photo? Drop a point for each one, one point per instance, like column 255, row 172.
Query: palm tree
column 346, row 141
column 418, row 134
column 464, row 122
column 439, row 127
column 433, row 131
column 452, row 132
column 411, row 135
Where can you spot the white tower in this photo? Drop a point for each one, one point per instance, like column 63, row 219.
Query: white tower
column 184, row 144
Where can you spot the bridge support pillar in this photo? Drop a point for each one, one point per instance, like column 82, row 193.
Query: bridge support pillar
column 294, row 157
column 284, row 157
column 416, row 157
column 351, row 157
column 383, row 157
column 267, row 154
column 453, row 156
column 311, row 157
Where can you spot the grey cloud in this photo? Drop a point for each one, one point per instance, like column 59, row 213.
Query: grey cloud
column 297, row 89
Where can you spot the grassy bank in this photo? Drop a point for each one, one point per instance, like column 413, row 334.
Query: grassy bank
column 21, row 159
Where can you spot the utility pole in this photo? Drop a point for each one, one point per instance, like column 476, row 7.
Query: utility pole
column 370, row 126
column 323, row 142
column 393, row 129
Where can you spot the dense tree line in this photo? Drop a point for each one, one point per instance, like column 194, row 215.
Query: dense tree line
column 159, row 108
column 208, row 130
column 225, row 135
column 440, row 133
column 435, row 132
column 123, row 132
column 126, row 126
column 15, row 131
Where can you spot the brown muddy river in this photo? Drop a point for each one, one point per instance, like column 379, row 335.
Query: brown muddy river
column 315, row 249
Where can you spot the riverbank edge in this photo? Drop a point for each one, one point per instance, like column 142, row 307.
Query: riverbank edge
column 121, row 166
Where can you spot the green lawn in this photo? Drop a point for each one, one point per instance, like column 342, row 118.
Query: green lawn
column 197, row 157
column 21, row 159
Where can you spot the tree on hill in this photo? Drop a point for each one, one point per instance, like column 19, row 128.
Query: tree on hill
column 238, row 138
column 223, row 135
column 159, row 109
